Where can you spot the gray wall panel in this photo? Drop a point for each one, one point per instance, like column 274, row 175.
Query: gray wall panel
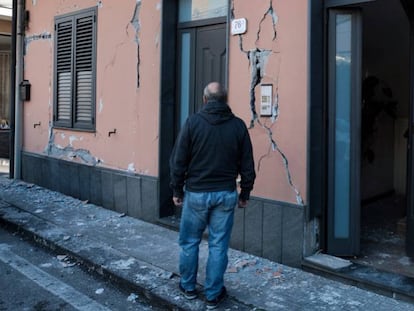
column 30, row 169
column 120, row 193
column 149, row 199
column 74, row 180
column 292, row 244
column 237, row 235
column 96, row 186
column 54, row 171
column 134, row 197
column 107, row 190
column 253, row 224
column 47, row 174
column 63, row 179
column 84, row 182
column 272, row 232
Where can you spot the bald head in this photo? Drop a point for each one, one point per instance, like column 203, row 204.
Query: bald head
column 214, row 91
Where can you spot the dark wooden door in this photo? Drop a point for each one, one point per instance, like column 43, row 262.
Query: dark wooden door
column 210, row 59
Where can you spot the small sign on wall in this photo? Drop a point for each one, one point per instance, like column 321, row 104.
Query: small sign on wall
column 266, row 100
column 238, row 26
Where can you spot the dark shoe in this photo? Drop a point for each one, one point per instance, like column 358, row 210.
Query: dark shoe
column 189, row 294
column 213, row 304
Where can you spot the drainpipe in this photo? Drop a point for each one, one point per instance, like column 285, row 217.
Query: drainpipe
column 18, row 131
column 12, row 87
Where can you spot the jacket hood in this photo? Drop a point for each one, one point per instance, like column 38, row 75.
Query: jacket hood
column 216, row 112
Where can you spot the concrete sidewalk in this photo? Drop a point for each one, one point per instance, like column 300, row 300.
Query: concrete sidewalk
column 143, row 257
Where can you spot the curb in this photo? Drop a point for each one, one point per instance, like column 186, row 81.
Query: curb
column 165, row 295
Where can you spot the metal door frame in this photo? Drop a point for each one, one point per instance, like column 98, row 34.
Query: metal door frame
column 410, row 165
column 350, row 245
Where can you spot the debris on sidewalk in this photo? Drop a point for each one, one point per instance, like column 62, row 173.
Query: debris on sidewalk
column 65, row 261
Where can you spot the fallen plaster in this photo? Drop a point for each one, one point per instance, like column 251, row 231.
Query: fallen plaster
column 135, row 22
column 123, row 264
column 258, row 59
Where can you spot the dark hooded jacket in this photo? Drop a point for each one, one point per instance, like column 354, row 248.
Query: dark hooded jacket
column 212, row 149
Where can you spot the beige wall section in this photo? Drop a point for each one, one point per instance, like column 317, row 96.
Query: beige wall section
column 120, row 104
column 285, row 67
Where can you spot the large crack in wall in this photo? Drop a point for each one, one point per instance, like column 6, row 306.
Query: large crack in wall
column 258, row 59
column 137, row 25
column 135, row 22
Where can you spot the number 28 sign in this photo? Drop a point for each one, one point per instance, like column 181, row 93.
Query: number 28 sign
column 238, row 26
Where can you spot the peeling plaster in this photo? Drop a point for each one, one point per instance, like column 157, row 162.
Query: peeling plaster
column 72, row 139
column 135, row 22
column 99, row 4
column 258, row 59
column 131, row 168
column 36, row 37
column 157, row 37
column 69, row 152
column 100, row 105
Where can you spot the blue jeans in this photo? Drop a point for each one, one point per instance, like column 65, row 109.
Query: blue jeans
column 202, row 209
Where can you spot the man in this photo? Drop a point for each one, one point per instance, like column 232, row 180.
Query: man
column 211, row 151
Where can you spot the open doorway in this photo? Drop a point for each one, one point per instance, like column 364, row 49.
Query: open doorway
column 384, row 136
column 195, row 46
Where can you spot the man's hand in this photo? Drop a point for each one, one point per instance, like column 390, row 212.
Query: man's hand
column 178, row 201
column 242, row 204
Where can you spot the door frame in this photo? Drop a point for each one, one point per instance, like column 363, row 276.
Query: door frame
column 322, row 196
column 410, row 159
column 344, row 245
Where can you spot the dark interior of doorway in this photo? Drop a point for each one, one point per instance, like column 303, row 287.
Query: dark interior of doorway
column 384, row 122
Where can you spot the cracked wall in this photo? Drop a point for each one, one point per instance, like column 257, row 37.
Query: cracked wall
column 137, row 25
column 266, row 50
column 126, row 106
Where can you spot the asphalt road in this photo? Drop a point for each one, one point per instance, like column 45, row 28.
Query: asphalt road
column 32, row 278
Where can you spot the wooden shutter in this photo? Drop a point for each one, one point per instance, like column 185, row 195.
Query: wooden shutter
column 84, row 58
column 75, row 70
column 64, row 44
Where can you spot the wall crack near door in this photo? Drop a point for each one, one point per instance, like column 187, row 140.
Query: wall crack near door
column 258, row 59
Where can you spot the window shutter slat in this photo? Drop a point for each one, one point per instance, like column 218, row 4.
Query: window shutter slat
column 84, row 96
column 84, row 76
column 64, row 71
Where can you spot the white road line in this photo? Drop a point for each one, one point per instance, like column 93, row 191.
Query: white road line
column 48, row 282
